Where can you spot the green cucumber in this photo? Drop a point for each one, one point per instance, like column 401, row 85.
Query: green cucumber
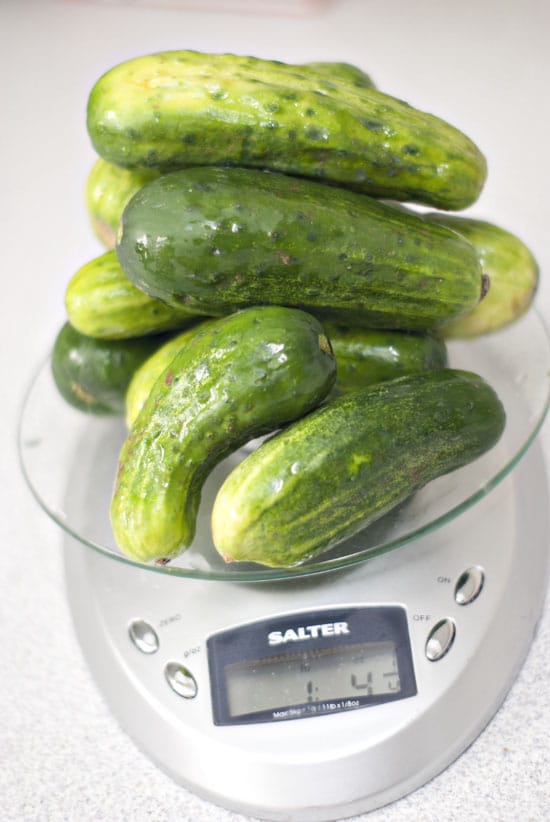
column 362, row 357
column 240, row 377
column 108, row 189
column 219, row 239
column 338, row 469
column 511, row 268
column 93, row 375
column 102, row 302
column 341, row 72
column 365, row 356
column 177, row 109
column 147, row 374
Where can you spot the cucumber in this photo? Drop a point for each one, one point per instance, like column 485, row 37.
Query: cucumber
column 364, row 356
column 341, row 71
column 102, row 302
column 177, row 109
column 93, row 375
column 147, row 374
column 509, row 265
column 219, row 239
column 240, row 377
column 338, row 469
column 108, row 189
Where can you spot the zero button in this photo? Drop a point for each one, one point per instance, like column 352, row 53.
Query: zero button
column 144, row 636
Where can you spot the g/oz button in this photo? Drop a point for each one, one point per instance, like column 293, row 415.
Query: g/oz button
column 181, row 680
column 440, row 639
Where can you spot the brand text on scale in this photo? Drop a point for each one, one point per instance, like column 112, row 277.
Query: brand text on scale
column 304, row 632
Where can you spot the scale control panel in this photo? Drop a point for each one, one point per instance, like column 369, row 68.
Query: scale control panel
column 310, row 663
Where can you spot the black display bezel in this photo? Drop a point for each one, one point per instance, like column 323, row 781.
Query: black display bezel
column 367, row 624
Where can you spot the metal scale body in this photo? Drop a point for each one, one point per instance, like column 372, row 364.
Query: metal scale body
column 344, row 763
column 328, row 692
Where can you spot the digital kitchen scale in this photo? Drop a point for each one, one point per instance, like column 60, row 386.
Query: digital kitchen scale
column 328, row 689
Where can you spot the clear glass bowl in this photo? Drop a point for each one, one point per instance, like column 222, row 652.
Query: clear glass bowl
column 69, row 459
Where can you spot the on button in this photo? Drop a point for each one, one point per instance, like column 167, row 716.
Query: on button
column 469, row 585
column 440, row 639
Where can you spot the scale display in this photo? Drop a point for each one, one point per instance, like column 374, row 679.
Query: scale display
column 306, row 665
column 315, row 677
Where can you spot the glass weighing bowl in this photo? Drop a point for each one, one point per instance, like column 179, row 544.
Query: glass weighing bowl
column 69, row 459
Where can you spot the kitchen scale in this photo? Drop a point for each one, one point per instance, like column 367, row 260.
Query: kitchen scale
column 332, row 688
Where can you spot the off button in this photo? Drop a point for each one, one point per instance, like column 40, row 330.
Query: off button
column 440, row 639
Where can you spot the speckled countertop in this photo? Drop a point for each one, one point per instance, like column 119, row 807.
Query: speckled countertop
column 483, row 66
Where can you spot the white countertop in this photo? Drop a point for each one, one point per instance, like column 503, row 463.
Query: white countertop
column 484, row 67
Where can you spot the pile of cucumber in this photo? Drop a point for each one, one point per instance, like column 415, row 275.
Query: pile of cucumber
column 264, row 273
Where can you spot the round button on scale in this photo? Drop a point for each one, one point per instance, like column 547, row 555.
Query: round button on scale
column 440, row 639
column 181, row 680
column 469, row 585
column 143, row 636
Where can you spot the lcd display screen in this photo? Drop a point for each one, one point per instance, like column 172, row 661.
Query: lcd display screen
column 323, row 678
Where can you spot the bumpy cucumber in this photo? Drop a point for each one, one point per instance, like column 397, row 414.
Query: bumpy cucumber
column 338, row 469
column 93, row 375
column 108, row 189
column 364, row 356
column 341, row 71
column 184, row 108
column 511, row 268
column 218, row 239
column 102, row 302
column 240, row 377
column 147, row 374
